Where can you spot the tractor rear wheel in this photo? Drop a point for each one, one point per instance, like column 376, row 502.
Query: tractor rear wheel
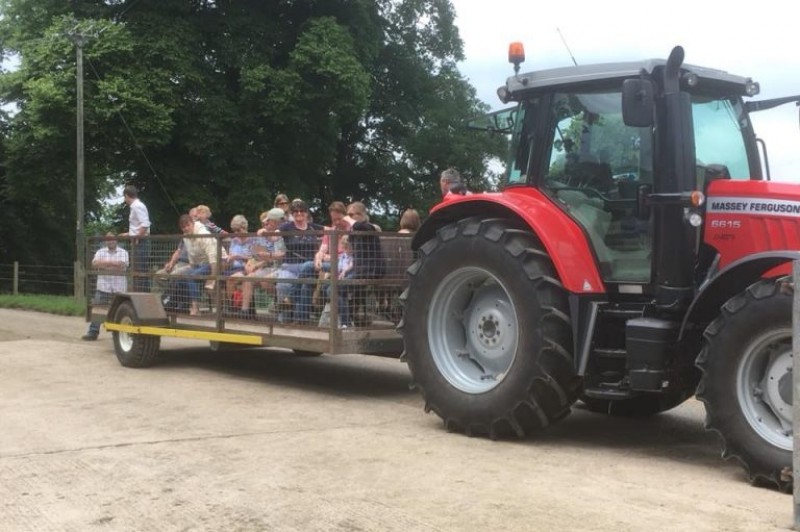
column 133, row 350
column 487, row 331
column 746, row 384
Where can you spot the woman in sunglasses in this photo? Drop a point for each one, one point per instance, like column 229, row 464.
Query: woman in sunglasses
column 282, row 201
column 302, row 239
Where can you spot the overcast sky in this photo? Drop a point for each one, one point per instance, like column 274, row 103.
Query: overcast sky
column 760, row 40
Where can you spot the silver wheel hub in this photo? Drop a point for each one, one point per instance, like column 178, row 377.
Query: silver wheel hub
column 778, row 385
column 125, row 339
column 489, row 324
column 472, row 329
column 764, row 387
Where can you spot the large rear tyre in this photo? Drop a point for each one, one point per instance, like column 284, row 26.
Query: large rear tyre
column 487, row 331
column 746, row 384
column 133, row 350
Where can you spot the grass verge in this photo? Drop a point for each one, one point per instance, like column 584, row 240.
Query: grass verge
column 62, row 305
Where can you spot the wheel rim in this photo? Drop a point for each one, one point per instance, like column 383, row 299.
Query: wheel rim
column 125, row 339
column 764, row 387
column 472, row 330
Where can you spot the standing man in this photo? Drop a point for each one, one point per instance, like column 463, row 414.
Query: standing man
column 114, row 260
column 138, row 226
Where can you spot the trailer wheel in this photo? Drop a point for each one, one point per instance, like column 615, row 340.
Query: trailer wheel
column 487, row 331
column 746, row 384
column 133, row 350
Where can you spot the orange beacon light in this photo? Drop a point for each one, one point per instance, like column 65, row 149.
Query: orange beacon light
column 516, row 55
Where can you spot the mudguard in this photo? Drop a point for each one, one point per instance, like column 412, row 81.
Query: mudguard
column 562, row 238
column 732, row 280
column 148, row 307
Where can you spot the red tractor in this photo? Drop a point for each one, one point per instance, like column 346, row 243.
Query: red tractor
column 637, row 255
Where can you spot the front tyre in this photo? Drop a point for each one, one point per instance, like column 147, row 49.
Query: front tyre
column 747, row 382
column 133, row 350
column 487, row 332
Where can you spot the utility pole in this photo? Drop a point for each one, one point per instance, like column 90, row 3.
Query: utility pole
column 80, row 256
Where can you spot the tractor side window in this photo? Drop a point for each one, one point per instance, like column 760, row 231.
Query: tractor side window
column 523, row 141
column 718, row 137
column 596, row 164
column 520, row 147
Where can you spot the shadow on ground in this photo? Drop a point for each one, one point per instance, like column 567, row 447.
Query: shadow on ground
column 675, row 435
column 340, row 375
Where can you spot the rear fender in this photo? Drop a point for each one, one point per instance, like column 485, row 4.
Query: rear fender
column 735, row 278
column 148, row 307
column 564, row 241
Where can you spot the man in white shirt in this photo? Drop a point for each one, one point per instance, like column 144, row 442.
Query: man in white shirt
column 114, row 260
column 138, row 226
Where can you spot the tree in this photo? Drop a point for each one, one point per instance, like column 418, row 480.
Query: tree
column 229, row 102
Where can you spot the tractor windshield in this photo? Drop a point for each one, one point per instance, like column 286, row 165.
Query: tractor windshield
column 718, row 135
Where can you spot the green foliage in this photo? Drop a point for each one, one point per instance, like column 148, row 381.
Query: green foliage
column 62, row 305
column 227, row 104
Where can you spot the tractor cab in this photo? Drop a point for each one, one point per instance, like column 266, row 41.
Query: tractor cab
column 601, row 143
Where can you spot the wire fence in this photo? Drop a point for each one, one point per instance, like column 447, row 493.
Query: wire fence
column 50, row 279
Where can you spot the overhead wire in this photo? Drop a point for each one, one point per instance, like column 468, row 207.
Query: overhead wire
column 138, row 145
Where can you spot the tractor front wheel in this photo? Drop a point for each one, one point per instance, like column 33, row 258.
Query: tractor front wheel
column 487, row 331
column 746, row 385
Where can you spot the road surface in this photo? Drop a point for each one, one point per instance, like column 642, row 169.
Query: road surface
column 259, row 439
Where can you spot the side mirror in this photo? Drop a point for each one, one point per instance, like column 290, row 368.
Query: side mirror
column 638, row 98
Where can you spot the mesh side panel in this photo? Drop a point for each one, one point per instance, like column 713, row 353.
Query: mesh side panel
column 316, row 280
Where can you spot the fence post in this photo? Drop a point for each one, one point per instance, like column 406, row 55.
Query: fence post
column 78, row 279
column 796, row 391
column 15, row 289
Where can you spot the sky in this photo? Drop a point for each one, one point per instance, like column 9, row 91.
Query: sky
column 760, row 41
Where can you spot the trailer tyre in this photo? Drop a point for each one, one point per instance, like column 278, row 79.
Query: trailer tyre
column 487, row 331
column 133, row 350
column 746, row 384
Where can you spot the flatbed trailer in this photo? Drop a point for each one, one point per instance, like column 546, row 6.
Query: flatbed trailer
column 138, row 320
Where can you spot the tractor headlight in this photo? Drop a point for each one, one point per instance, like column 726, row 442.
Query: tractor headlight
column 695, row 220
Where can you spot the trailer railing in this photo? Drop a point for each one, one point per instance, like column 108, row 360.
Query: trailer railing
column 335, row 304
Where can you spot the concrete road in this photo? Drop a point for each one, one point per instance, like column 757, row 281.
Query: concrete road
column 256, row 440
